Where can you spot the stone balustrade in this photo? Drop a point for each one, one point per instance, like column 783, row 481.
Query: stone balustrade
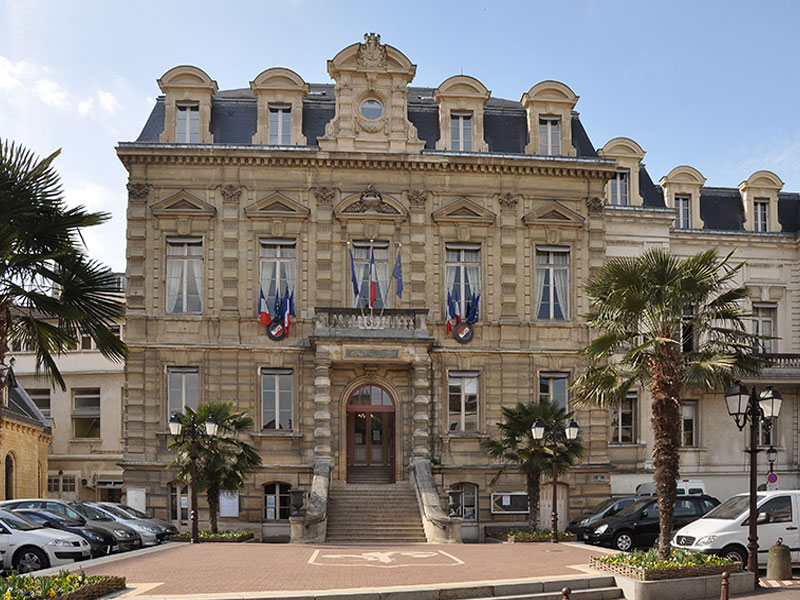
column 389, row 323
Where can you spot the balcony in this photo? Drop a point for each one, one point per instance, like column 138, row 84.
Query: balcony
column 782, row 367
column 389, row 324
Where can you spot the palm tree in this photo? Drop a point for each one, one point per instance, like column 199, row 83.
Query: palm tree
column 516, row 447
column 50, row 292
column 644, row 309
column 223, row 460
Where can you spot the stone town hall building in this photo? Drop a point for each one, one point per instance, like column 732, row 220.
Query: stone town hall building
column 504, row 207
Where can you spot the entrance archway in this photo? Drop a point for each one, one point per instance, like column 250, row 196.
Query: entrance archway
column 370, row 435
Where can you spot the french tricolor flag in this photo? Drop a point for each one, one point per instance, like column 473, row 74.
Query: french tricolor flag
column 263, row 310
column 373, row 280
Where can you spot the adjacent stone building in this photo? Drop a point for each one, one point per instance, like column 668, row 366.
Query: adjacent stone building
column 318, row 200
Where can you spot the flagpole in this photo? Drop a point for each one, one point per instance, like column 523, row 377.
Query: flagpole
column 371, row 266
column 353, row 276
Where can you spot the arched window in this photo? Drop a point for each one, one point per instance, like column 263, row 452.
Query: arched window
column 9, row 477
column 277, row 501
column 468, row 510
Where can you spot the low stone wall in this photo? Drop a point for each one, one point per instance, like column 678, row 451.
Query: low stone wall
column 686, row 588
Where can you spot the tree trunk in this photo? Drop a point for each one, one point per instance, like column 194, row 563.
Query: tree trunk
column 212, row 497
column 666, row 422
column 533, row 476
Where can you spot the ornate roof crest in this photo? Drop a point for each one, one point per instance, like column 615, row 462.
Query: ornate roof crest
column 371, row 53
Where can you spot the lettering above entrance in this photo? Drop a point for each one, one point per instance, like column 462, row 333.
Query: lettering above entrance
column 390, row 353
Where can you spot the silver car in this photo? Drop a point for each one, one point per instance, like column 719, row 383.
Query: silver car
column 151, row 533
column 169, row 528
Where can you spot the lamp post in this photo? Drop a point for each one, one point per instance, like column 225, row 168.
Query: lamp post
column 180, row 430
column 750, row 407
column 772, row 455
column 554, row 434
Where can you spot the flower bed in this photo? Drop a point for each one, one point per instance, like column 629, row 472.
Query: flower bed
column 516, row 536
column 645, row 565
column 207, row 536
column 64, row 586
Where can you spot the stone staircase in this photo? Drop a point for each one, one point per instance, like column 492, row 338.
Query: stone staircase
column 366, row 513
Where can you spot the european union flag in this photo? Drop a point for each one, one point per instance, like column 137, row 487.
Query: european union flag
column 397, row 273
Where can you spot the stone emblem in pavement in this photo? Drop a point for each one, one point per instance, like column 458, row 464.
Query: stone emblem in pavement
column 386, row 559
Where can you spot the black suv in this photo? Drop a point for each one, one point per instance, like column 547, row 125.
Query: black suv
column 608, row 508
column 637, row 525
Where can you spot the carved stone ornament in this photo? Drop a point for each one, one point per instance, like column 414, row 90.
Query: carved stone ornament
column 324, row 195
column 418, row 198
column 138, row 191
column 595, row 204
column 371, row 197
column 230, row 192
column 371, row 200
column 371, row 53
column 509, row 200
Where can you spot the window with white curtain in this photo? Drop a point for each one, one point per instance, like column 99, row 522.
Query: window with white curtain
column 552, row 283
column 276, row 399
column 362, row 251
column 764, row 324
column 550, row 136
column 278, row 271
column 623, row 420
column 461, row 131
column 280, row 124
column 619, row 188
column 183, row 389
column 184, row 275
column 462, row 275
column 187, row 123
column 553, row 388
column 683, row 218
column 761, row 214
column 462, row 401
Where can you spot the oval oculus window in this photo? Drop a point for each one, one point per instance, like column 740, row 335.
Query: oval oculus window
column 371, row 109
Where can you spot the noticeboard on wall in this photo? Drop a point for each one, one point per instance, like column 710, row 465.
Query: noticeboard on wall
column 510, row 503
column 229, row 504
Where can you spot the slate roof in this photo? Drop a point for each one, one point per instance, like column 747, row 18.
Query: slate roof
column 22, row 408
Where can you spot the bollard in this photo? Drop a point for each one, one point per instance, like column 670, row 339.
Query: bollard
column 724, row 593
column 565, row 593
column 779, row 562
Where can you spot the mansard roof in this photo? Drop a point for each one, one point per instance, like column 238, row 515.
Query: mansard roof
column 22, row 408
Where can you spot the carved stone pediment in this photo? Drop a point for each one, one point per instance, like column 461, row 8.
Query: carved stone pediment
column 371, row 204
column 276, row 206
column 464, row 211
column 554, row 213
column 183, row 204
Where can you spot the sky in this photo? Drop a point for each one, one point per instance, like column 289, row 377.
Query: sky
column 713, row 84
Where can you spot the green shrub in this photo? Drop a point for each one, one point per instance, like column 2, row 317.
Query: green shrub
column 648, row 559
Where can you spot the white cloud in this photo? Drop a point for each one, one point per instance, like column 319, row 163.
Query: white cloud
column 52, row 94
column 85, row 106
column 108, row 102
column 92, row 195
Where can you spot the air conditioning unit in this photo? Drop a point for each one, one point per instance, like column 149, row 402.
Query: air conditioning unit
column 85, row 482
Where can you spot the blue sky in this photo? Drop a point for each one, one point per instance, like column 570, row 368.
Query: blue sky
column 711, row 84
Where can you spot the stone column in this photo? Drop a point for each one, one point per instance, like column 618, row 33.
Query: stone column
column 322, row 406
column 421, row 384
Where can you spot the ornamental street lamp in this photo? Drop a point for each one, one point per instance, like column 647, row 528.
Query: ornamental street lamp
column 772, row 456
column 180, row 430
column 553, row 435
column 750, row 407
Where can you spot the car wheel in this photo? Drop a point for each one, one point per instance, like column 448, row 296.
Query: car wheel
column 623, row 541
column 736, row 553
column 30, row 559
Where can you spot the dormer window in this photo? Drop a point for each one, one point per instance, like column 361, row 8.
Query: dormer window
column 280, row 124
column 461, row 131
column 683, row 210
column 550, row 136
column 619, row 188
column 187, row 123
column 761, row 214
column 371, row 109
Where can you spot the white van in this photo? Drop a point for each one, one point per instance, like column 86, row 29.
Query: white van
column 724, row 529
column 686, row 487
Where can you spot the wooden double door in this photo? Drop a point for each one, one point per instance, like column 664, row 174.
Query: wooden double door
column 370, row 430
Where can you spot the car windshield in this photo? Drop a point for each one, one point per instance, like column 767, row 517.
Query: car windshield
column 62, row 520
column 89, row 512
column 731, row 508
column 132, row 511
column 635, row 507
column 114, row 511
column 17, row 521
column 601, row 507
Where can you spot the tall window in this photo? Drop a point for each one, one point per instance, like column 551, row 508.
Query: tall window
column 682, row 220
column 183, row 385
column 462, row 413
column 760, row 214
column 461, row 131
column 178, row 502
column 86, row 413
column 550, row 136
column 463, row 275
column 278, row 271
column 184, row 275
column 280, row 124
column 362, row 251
column 553, row 388
column 552, row 283
column 689, row 423
column 277, row 501
column 619, row 188
column 468, row 510
column 187, row 124
column 623, row 421
column 686, row 331
column 276, row 399
column 766, row 436
column 764, row 324
column 41, row 398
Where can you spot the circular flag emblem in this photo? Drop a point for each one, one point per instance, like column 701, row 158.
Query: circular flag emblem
column 464, row 333
column 772, row 478
column 276, row 331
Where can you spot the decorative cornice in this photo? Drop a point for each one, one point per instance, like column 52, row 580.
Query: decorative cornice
column 509, row 200
column 230, row 192
column 138, row 191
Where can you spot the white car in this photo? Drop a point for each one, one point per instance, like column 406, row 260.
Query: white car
column 26, row 546
column 724, row 529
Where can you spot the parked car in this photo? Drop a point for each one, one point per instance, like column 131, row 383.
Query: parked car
column 127, row 538
column 27, row 547
column 607, row 508
column 168, row 527
column 725, row 529
column 683, row 487
column 638, row 524
column 150, row 533
column 101, row 541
